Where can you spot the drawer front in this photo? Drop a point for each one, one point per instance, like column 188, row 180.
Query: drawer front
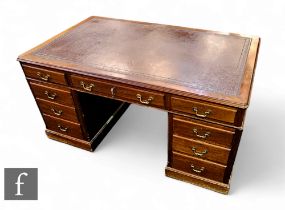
column 57, row 110
column 52, row 94
column 204, row 110
column 44, row 75
column 204, row 132
column 63, row 126
column 141, row 96
column 91, row 85
column 134, row 95
column 200, row 150
column 198, row 167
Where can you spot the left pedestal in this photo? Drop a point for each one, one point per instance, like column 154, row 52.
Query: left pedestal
column 71, row 117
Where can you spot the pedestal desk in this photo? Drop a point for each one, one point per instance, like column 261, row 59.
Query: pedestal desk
column 86, row 77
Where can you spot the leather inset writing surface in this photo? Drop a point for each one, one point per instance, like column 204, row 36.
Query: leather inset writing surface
column 205, row 61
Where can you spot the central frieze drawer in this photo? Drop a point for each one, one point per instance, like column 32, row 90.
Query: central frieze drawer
column 132, row 94
column 140, row 96
column 91, row 85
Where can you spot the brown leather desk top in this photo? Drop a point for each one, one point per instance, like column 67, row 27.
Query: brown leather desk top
column 201, row 64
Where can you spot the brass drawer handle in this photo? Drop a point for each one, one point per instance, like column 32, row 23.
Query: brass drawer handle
column 207, row 134
column 199, row 154
column 64, row 129
column 206, row 113
column 87, row 87
column 139, row 96
column 197, row 170
column 113, row 91
column 43, row 77
column 56, row 112
column 50, row 95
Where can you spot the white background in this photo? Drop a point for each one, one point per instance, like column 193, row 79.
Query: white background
column 127, row 169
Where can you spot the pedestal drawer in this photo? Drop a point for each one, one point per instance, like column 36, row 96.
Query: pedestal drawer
column 205, row 132
column 52, row 93
column 44, row 74
column 200, row 150
column 204, row 110
column 63, row 126
column 198, row 167
column 57, row 110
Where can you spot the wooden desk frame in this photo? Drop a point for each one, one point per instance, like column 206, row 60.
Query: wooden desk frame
column 204, row 127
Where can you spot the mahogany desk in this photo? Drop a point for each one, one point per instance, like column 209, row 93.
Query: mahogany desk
column 85, row 78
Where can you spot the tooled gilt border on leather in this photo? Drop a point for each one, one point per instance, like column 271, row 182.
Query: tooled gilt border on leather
column 114, row 69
